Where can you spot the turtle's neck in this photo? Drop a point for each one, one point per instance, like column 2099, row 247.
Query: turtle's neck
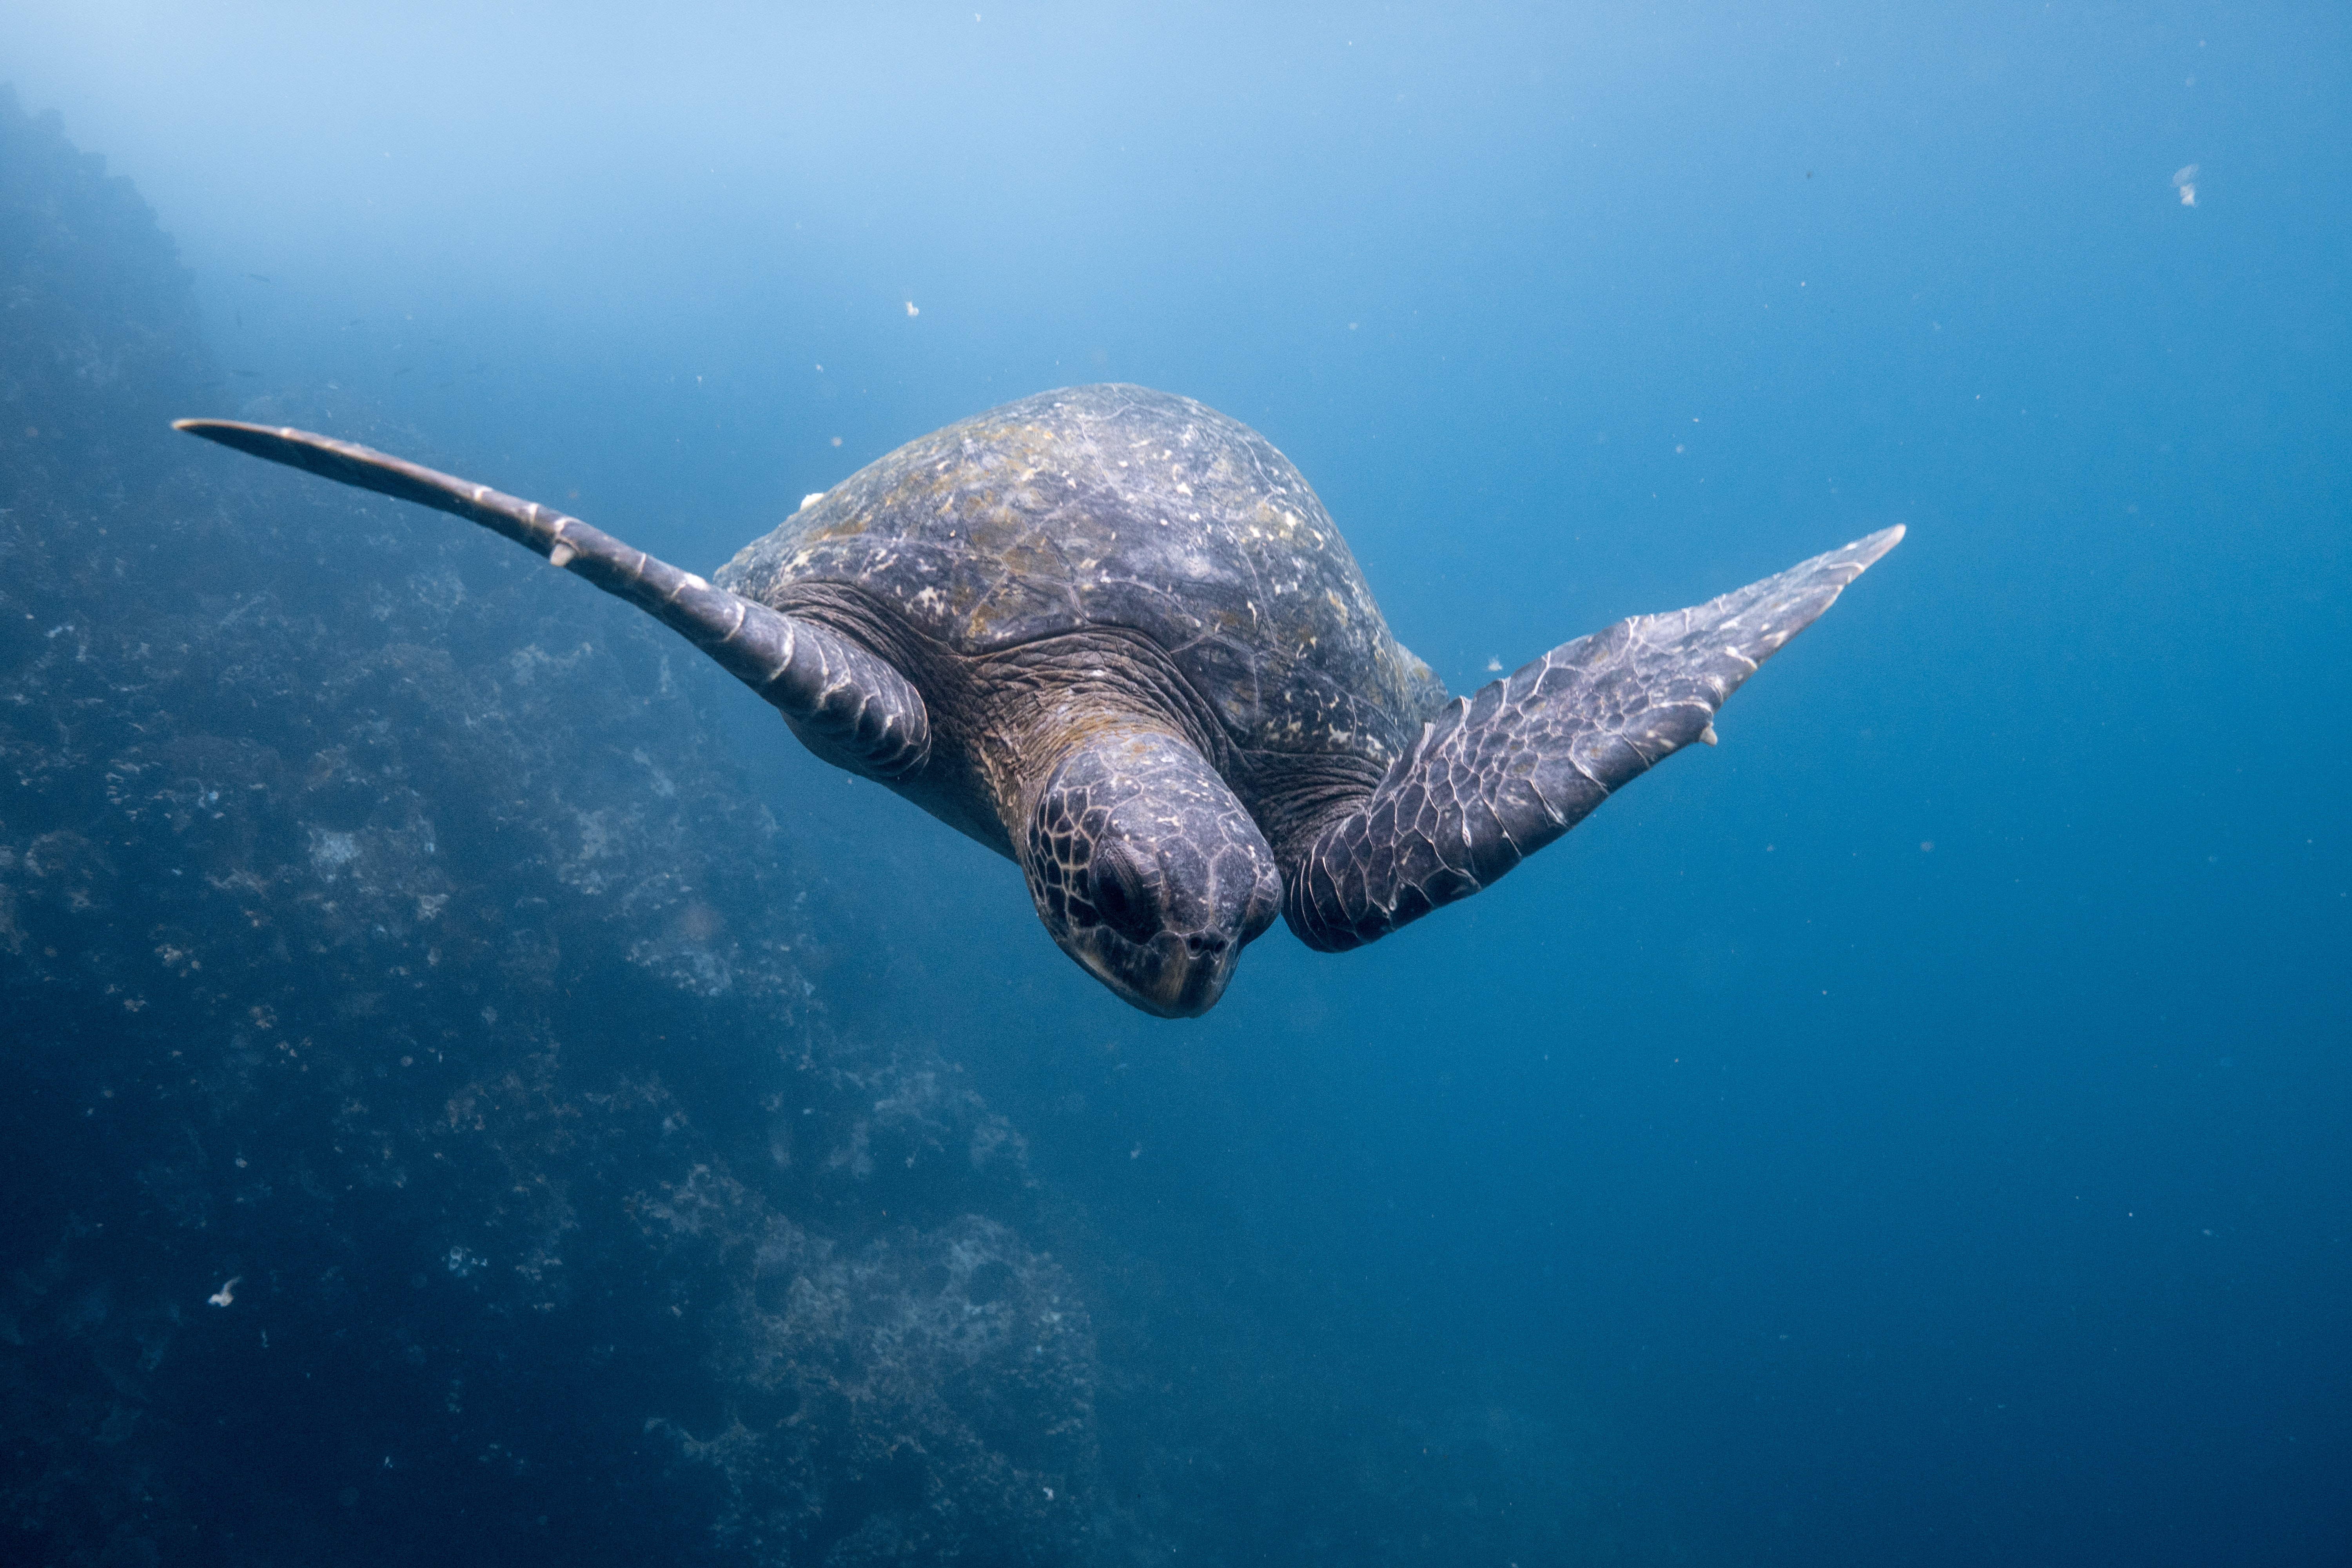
column 1001, row 721
column 1042, row 701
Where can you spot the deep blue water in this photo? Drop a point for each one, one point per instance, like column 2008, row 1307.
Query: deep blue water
column 1916, row 1132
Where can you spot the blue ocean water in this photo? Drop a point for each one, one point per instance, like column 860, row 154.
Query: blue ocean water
column 1913, row 1132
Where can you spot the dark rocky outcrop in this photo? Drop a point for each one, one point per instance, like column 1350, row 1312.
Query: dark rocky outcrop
column 97, row 326
column 390, row 954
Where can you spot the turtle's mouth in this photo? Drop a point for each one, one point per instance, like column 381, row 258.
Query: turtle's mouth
column 1170, row 976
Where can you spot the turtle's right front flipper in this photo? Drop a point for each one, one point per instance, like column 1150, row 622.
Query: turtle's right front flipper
column 853, row 707
column 1496, row 777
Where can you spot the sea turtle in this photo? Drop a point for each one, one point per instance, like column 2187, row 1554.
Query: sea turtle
column 1112, row 635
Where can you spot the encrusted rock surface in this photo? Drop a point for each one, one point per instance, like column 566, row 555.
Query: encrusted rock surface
column 423, row 1136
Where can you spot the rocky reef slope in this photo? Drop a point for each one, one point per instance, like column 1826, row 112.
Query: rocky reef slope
column 421, row 1136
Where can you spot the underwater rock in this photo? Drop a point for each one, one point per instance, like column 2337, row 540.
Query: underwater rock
column 424, row 1135
column 99, row 333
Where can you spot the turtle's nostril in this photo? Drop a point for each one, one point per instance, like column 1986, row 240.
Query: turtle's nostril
column 1200, row 945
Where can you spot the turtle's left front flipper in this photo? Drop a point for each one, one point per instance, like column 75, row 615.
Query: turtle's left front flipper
column 1498, row 775
column 852, row 707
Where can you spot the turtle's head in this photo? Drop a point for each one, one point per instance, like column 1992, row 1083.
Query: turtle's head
column 1148, row 870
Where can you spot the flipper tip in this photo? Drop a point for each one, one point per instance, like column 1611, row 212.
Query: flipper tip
column 219, row 427
column 224, row 431
column 1847, row 561
column 282, row 444
column 1866, row 550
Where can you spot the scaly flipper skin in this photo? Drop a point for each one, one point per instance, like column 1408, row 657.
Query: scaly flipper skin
column 854, row 708
column 1498, row 775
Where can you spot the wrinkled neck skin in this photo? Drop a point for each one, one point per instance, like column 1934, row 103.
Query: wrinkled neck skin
column 1001, row 721
column 1047, row 699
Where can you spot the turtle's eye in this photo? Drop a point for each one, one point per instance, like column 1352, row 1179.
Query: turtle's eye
column 1122, row 897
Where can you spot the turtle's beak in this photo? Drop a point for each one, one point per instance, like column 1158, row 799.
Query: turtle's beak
column 1163, row 977
column 1190, row 983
